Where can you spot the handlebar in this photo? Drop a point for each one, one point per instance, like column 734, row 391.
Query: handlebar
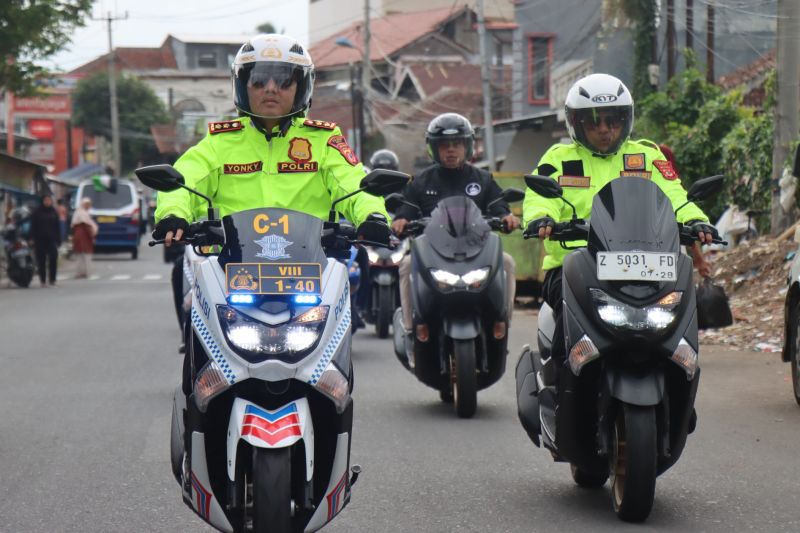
column 575, row 230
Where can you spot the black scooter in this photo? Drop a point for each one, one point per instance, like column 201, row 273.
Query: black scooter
column 18, row 255
column 384, row 290
column 460, row 320
column 622, row 403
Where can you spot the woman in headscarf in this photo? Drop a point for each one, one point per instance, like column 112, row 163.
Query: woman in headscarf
column 84, row 230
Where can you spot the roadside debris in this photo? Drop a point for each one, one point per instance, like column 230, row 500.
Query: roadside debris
column 754, row 277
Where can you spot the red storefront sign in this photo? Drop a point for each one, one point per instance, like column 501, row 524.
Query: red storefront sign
column 55, row 106
column 41, row 129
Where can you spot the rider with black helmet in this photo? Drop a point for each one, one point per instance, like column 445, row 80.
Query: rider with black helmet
column 450, row 139
column 384, row 159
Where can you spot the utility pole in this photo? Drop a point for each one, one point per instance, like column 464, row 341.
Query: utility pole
column 112, row 89
column 710, row 42
column 786, row 119
column 670, row 39
column 366, row 69
column 488, row 129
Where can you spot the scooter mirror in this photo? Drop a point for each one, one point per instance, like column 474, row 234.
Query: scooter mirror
column 511, row 195
column 162, row 178
column 705, row 188
column 544, row 186
column 393, row 202
column 382, row 181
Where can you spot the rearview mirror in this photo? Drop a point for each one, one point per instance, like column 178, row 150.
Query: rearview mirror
column 381, row 182
column 512, row 195
column 162, row 178
column 705, row 188
column 393, row 202
column 544, row 186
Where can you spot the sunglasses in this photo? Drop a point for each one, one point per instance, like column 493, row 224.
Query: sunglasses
column 593, row 122
column 283, row 76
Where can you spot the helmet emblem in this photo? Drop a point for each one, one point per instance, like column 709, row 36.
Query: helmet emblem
column 604, row 98
column 272, row 53
column 473, row 189
column 273, row 247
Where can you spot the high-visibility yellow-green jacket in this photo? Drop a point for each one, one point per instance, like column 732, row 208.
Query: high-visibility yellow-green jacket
column 238, row 168
column 582, row 175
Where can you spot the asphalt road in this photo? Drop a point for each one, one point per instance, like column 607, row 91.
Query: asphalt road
column 87, row 375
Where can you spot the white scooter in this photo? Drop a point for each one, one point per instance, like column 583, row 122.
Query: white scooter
column 262, row 424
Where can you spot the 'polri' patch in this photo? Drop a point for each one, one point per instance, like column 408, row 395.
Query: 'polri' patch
column 575, row 181
column 666, row 169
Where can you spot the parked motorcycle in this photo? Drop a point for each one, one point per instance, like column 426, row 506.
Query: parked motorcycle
column 262, row 424
column 458, row 284
column 384, row 294
column 18, row 256
column 622, row 403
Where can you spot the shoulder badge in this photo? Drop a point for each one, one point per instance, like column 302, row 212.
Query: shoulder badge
column 321, row 124
column 224, row 126
column 666, row 169
column 633, row 161
column 338, row 142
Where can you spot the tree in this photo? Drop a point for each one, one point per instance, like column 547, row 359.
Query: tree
column 642, row 14
column 139, row 108
column 31, row 31
column 267, row 27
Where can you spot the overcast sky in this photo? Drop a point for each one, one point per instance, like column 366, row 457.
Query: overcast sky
column 149, row 22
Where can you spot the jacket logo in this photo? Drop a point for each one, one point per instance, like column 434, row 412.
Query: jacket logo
column 300, row 152
column 666, row 169
column 473, row 189
column 338, row 142
column 242, row 168
column 575, row 181
column 273, row 247
column 604, row 98
column 633, row 161
column 635, row 174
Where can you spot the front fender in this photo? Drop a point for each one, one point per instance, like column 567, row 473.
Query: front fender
column 263, row 428
column 462, row 328
column 644, row 390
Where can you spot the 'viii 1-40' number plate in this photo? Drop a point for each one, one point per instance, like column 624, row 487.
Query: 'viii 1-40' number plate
column 641, row 266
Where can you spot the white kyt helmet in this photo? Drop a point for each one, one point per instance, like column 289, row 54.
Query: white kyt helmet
column 591, row 94
column 277, row 57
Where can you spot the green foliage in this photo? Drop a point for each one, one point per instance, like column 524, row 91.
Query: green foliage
column 138, row 108
column 31, row 31
column 643, row 15
column 267, row 27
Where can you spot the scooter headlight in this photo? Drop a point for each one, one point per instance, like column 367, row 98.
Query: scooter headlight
column 655, row 317
column 445, row 278
column 373, row 256
column 475, row 278
column 257, row 342
column 397, row 256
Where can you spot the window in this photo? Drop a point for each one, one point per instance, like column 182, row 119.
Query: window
column 540, row 58
column 207, row 60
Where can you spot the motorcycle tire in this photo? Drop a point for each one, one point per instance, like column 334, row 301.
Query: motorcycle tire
column 465, row 385
column 21, row 278
column 272, row 490
column 385, row 311
column 633, row 462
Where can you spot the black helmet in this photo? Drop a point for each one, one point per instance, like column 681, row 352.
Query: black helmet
column 384, row 159
column 449, row 127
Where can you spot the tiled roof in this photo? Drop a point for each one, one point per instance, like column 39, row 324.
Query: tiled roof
column 747, row 74
column 132, row 59
column 389, row 34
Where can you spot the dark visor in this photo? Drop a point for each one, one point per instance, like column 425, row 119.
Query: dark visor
column 281, row 73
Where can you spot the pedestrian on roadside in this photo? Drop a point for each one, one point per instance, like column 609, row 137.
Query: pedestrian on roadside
column 699, row 261
column 84, row 231
column 46, row 236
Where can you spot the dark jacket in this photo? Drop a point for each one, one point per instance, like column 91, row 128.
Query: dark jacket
column 435, row 183
column 45, row 229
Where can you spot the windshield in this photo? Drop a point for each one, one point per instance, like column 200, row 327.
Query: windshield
column 109, row 200
column 633, row 214
column 457, row 228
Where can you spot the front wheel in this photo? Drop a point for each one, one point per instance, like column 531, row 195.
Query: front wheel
column 272, row 490
column 633, row 462
column 586, row 479
column 794, row 355
column 465, row 385
column 385, row 311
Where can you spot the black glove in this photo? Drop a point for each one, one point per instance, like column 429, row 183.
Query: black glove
column 535, row 225
column 170, row 223
column 375, row 229
column 698, row 226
